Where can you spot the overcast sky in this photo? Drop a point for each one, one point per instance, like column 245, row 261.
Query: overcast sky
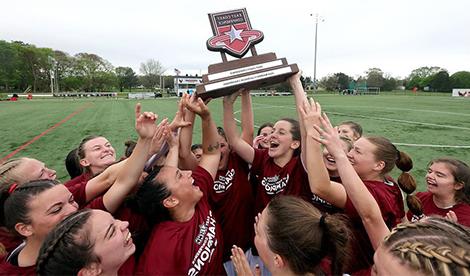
column 396, row 36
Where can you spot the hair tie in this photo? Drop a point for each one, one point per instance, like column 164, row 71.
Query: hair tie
column 322, row 220
column 12, row 188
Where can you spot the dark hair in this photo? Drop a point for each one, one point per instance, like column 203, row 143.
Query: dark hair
column 357, row 129
column 67, row 248
column 298, row 232
column 221, row 132
column 72, row 164
column 295, row 131
column 387, row 152
column 130, row 146
column 461, row 173
column 271, row 125
column 16, row 205
column 148, row 200
column 434, row 246
column 196, row 146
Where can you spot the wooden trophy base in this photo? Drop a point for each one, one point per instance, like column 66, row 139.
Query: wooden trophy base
column 252, row 72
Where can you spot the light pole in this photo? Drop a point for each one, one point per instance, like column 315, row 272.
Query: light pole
column 315, row 56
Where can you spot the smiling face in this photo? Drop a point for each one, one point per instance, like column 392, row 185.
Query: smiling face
column 329, row 160
column 281, row 141
column 440, row 180
column 49, row 208
column 363, row 159
column 180, row 183
column 98, row 155
column 265, row 131
column 112, row 240
column 31, row 169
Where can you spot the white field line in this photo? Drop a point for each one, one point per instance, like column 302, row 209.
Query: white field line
column 401, row 121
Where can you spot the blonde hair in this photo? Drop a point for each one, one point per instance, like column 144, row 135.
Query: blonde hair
column 8, row 174
column 433, row 246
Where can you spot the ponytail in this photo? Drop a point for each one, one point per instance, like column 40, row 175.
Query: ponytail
column 336, row 238
column 407, row 182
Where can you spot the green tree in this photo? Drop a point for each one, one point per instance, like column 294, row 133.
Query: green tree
column 95, row 72
column 389, row 83
column 420, row 77
column 126, row 78
column 460, row 79
column 8, row 65
column 440, row 82
column 375, row 77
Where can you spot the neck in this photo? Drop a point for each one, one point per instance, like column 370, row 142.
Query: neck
column 372, row 176
column 281, row 161
column 182, row 213
column 333, row 173
column 29, row 254
column 443, row 202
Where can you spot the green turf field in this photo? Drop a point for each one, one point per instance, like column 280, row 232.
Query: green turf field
column 436, row 126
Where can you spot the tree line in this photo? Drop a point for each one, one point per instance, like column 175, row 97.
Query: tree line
column 24, row 66
column 434, row 79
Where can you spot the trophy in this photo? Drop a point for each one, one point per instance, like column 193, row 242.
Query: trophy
column 233, row 35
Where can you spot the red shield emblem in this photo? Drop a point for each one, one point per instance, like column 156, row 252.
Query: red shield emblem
column 232, row 33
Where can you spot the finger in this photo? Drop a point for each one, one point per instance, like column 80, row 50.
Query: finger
column 137, row 110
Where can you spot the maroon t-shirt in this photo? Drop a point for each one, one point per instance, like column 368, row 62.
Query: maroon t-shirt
column 77, row 187
column 390, row 201
column 291, row 179
column 462, row 210
column 8, row 265
column 8, row 240
column 186, row 248
column 231, row 198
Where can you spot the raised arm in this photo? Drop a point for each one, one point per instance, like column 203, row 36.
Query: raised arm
column 318, row 178
column 187, row 160
column 300, row 98
column 241, row 147
column 130, row 173
column 210, row 145
column 361, row 198
column 248, row 124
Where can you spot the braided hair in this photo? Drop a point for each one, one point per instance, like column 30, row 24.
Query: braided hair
column 67, row 248
column 433, row 246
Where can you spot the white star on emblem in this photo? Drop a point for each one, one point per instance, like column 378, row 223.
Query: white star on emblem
column 234, row 34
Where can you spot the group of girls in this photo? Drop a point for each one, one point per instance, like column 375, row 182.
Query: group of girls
column 315, row 195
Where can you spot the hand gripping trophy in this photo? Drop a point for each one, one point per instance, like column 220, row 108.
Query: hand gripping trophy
column 233, row 35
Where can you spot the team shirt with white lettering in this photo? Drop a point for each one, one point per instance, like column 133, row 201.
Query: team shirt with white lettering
column 291, row 179
column 193, row 247
column 461, row 210
column 232, row 200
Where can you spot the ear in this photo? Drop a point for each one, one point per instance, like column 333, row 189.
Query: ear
column 458, row 186
column 294, row 145
column 279, row 261
column 170, row 202
column 25, row 230
column 379, row 166
column 91, row 270
column 84, row 163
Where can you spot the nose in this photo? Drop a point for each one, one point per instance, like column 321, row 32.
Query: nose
column 51, row 173
column 70, row 208
column 123, row 224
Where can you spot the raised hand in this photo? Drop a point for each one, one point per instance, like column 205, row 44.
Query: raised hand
column 178, row 120
column 310, row 114
column 171, row 138
column 196, row 105
column 145, row 123
column 158, row 138
column 329, row 137
column 231, row 98
column 241, row 263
